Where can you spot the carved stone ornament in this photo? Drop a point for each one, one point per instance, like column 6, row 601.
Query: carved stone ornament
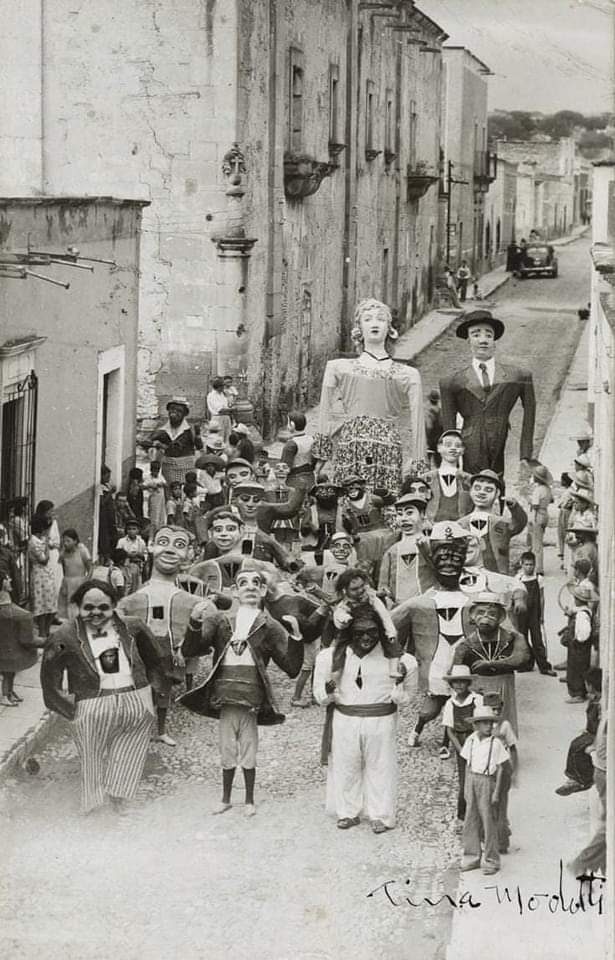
column 303, row 175
column 234, row 244
column 233, row 167
column 419, row 180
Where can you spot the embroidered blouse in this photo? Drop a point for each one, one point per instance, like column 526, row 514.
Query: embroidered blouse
column 387, row 391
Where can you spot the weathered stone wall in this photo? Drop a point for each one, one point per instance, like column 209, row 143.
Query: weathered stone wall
column 139, row 102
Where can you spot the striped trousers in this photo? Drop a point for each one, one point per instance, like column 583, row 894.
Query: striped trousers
column 112, row 735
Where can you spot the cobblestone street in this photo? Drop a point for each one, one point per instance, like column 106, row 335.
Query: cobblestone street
column 171, row 880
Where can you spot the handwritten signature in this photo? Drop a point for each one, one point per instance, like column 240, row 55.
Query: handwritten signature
column 587, row 897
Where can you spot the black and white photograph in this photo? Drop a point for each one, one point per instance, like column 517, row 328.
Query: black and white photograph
column 307, row 460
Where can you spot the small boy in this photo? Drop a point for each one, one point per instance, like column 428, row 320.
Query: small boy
column 504, row 731
column 531, row 623
column 136, row 550
column 210, row 472
column 485, row 756
column 579, row 644
column 449, row 484
column 457, row 712
column 355, row 591
column 579, row 767
column 123, row 513
column 175, row 514
column 238, row 691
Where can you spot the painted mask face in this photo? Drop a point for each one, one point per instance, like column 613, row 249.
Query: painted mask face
column 483, row 494
column 170, row 550
column 355, row 492
column 176, row 414
column 96, row 608
column 409, row 517
column 451, row 450
column 374, row 325
column 482, row 341
column 281, row 471
column 249, row 588
column 226, row 534
column 248, row 504
column 448, row 557
column 487, row 616
column 341, row 550
column 238, row 474
column 421, row 488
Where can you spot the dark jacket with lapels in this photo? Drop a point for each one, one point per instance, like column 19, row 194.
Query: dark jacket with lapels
column 267, row 640
column 69, row 649
column 486, row 415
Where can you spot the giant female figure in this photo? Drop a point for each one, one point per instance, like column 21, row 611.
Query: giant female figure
column 371, row 407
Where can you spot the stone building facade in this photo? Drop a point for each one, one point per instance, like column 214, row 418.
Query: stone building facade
column 500, row 210
column 465, row 94
column 546, row 170
column 273, row 141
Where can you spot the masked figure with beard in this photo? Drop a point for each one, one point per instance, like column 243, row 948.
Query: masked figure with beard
column 325, row 516
column 172, row 614
column 493, row 653
column 432, row 624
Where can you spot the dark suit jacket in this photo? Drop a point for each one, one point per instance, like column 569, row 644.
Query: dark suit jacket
column 464, row 502
column 485, row 419
column 268, row 640
column 500, row 534
column 69, row 649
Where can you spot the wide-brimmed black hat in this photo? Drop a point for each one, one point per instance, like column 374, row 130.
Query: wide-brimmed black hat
column 475, row 317
column 179, row 402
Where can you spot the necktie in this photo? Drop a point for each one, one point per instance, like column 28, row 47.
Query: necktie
column 448, row 478
column 484, row 377
column 239, row 646
column 480, row 525
column 359, row 678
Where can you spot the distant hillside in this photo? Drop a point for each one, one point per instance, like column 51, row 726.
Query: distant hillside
column 589, row 132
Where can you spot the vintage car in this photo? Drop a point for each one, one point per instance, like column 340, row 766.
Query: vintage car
column 538, row 259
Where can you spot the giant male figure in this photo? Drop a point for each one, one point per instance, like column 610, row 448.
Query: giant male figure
column 485, row 392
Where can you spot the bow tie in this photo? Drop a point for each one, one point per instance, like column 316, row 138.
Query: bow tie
column 239, row 646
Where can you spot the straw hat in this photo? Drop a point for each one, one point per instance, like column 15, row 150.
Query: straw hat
column 459, row 671
column 484, row 713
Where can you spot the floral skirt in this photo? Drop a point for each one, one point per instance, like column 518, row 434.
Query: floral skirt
column 371, row 448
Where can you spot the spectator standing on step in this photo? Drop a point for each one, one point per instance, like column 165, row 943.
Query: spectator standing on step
column 464, row 276
column 579, row 643
column 532, row 620
column 17, row 644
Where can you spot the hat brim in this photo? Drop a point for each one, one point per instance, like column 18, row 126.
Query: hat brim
column 450, row 678
column 483, row 476
column 479, row 719
column 493, row 322
column 178, row 403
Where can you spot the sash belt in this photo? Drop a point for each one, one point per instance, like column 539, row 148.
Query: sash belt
column 356, row 710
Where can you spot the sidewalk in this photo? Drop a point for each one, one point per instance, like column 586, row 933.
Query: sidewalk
column 545, row 827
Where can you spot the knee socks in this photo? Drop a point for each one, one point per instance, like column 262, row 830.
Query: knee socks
column 249, row 776
column 227, row 784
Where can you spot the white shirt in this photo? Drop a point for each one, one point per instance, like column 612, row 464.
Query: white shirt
column 98, row 645
column 490, row 364
column 479, row 522
column 216, row 402
column 244, row 619
column 376, row 684
column 448, row 716
column 449, row 489
column 582, row 625
column 450, row 625
column 484, row 756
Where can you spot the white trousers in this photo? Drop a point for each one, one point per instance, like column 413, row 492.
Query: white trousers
column 362, row 770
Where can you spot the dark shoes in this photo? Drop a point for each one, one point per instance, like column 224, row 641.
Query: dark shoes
column 571, row 786
column 574, row 700
column 561, row 666
column 347, row 822
column 548, row 672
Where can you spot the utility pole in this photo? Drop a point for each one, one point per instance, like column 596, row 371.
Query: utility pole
column 449, row 184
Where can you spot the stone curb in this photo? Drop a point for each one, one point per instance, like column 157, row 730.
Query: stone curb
column 34, row 740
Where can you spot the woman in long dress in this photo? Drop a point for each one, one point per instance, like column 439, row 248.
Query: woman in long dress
column 43, row 590
column 371, row 407
column 46, row 509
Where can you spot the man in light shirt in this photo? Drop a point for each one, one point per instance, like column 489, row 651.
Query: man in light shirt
column 359, row 741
